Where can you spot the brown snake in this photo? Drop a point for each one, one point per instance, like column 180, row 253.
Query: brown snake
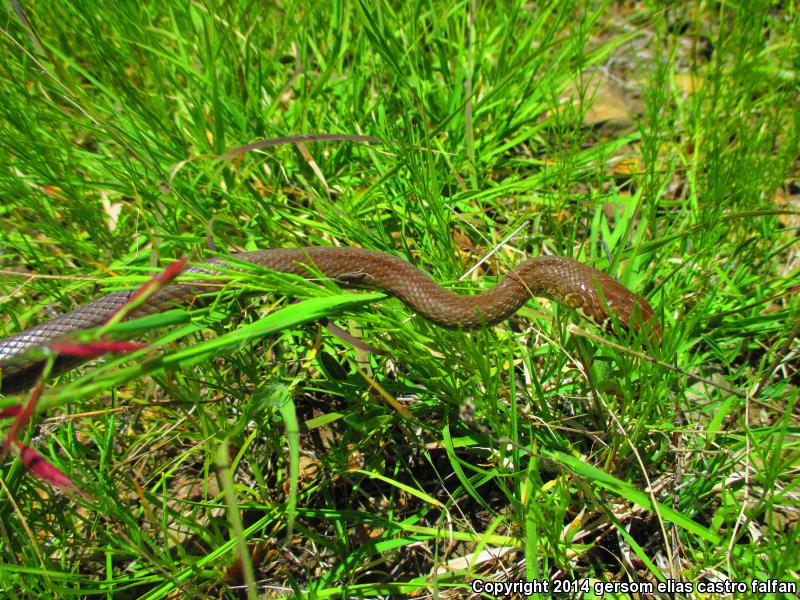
column 568, row 282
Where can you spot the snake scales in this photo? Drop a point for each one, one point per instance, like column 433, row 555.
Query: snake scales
column 568, row 282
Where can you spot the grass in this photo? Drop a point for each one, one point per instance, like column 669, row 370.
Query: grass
column 250, row 450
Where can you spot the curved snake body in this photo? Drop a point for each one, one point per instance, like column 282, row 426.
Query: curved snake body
column 568, row 282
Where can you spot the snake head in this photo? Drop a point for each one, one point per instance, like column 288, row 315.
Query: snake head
column 630, row 310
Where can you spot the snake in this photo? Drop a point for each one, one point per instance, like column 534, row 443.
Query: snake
column 569, row 283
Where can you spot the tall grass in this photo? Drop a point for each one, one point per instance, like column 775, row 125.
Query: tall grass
column 250, row 449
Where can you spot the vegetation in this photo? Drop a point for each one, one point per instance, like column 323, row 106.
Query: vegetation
column 248, row 449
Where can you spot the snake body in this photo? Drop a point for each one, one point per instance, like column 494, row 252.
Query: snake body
column 568, row 282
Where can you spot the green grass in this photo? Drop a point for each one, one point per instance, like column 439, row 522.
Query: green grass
column 565, row 453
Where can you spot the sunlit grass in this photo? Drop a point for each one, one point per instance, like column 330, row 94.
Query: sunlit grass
column 529, row 450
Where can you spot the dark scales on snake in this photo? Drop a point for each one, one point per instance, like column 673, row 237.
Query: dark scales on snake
column 568, row 282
